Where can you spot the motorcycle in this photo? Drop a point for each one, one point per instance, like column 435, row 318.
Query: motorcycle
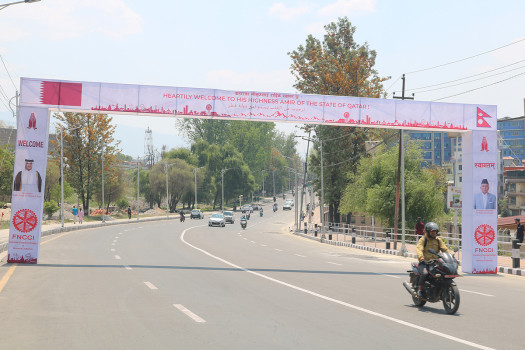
column 275, row 207
column 439, row 284
column 260, row 213
column 182, row 218
column 244, row 222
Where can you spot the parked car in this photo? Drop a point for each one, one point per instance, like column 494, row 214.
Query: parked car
column 216, row 220
column 196, row 214
column 228, row 217
column 287, row 206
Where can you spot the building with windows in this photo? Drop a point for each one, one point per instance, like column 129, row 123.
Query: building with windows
column 512, row 134
column 438, row 147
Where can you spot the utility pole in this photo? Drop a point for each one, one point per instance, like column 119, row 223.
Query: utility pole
column 400, row 170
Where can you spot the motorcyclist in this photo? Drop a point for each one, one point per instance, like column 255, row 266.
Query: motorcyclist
column 244, row 221
column 182, row 217
column 429, row 241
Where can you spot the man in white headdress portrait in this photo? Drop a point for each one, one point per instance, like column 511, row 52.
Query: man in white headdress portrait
column 28, row 180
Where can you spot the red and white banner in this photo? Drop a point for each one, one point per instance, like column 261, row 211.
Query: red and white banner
column 476, row 122
column 248, row 105
column 28, row 185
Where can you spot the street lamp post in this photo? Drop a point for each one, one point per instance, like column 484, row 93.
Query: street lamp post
column 138, row 187
column 3, row 6
column 62, row 169
column 195, row 173
column 103, row 209
column 166, row 166
column 222, row 177
column 263, row 192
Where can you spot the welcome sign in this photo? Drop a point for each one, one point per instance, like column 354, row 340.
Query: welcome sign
column 476, row 122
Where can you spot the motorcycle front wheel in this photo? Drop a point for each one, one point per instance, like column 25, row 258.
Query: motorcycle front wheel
column 451, row 299
column 418, row 302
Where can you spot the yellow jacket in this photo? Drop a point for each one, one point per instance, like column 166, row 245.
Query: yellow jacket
column 433, row 243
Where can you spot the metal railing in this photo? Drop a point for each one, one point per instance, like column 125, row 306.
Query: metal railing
column 378, row 236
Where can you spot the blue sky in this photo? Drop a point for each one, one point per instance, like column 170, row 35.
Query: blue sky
column 243, row 45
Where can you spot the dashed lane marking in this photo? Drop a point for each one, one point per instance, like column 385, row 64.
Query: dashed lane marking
column 189, row 313
column 150, row 285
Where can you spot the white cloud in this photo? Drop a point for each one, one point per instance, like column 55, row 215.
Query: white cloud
column 345, row 7
column 66, row 19
column 316, row 29
column 285, row 13
column 275, row 81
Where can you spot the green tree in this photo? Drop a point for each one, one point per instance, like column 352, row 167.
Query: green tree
column 180, row 180
column 50, row 208
column 7, row 164
column 87, row 138
column 52, row 179
column 372, row 188
column 336, row 66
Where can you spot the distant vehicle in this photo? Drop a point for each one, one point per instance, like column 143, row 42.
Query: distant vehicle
column 217, row 220
column 196, row 214
column 287, row 206
column 290, row 201
column 255, row 206
column 228, row 217
column 247, row 208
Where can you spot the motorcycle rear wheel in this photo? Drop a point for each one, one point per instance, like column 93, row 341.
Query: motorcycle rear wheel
column 451, row 299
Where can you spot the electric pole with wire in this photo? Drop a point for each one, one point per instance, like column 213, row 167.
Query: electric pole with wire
column 400, row 169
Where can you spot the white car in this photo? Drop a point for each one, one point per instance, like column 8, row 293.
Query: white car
column 217, row 220
column 287, row 206
column 290, row 201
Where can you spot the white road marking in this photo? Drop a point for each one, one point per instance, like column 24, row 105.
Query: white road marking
column 263, row 245
column 127, row 267
column 189, row 313
column 279, row 250
column 113, row 249
column 150, row 285
column 384, row 274
column 336, row 301
column 253, row 242
column 333, row 263
column 299, row 255
column 113, row 243
column 117, row 257
column 120, row 233
column 469, row 291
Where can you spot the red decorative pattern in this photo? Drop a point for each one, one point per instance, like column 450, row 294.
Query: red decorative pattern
column 484, row 235
column 25, row 220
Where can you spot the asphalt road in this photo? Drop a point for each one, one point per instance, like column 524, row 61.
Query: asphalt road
column 172, row 285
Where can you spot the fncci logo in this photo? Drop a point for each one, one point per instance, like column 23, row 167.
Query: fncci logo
column 484, row 235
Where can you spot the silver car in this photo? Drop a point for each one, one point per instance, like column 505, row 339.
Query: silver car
column 217, row 220
column 228, row 217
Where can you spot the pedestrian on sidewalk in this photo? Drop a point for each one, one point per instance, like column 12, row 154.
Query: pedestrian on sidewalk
column 75, row 213
column 420, row 226
column 129, row 212
column 80, row 215
column 519, row 230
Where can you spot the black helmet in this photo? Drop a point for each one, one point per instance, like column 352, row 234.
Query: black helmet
column 431, row 226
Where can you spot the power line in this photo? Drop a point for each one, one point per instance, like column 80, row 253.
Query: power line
column 470, row 76
column 8, row 73
column 470, row 81
column 464, row 92
column 466, row 58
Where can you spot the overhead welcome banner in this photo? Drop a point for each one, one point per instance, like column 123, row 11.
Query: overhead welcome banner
column 476, row 122
column 247, row 105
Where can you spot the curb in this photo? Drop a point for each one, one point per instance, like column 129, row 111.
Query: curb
column 501, row 269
